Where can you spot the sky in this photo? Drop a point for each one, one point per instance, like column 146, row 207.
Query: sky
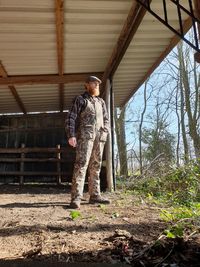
column 162, row 84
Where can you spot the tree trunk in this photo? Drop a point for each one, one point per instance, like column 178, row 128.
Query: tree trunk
column 192, row 113
column 121, row 140
column 183, row 128
column 140, row 128
column 179, row 130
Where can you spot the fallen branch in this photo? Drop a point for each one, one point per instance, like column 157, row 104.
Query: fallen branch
column 32, row 252
column 166, row 256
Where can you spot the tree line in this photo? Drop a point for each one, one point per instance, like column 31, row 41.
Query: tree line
column 161, row 123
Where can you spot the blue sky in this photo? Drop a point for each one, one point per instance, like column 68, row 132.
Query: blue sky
column 163, row 84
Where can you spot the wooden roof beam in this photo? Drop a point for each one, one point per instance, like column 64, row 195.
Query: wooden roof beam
column 197, row 14
column 48, row 79
column 59, row 8
column 60, row 34
column 129, row 29
column 61, row 96
column 13, row 90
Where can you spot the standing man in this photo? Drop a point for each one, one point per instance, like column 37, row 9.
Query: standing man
column 87, row 129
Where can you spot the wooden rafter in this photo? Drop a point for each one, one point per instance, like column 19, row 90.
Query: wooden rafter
column 197, row 14
column 130, row 27
column 13, row 90
column 59, row 7
column 61, row 96
column 59, row 32
column 47, row 79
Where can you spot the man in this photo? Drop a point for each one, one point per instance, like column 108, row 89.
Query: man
column 87, row 127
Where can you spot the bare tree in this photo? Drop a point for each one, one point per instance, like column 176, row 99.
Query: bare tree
column 191, row 93
column 141, row 124
column 183, row 127
column 121, row 139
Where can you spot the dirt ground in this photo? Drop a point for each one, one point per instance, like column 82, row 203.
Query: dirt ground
column 36, row 224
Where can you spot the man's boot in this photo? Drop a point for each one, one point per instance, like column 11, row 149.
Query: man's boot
column 75, row 204
column 98, row 200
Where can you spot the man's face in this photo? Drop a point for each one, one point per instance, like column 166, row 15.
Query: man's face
column 93, row 88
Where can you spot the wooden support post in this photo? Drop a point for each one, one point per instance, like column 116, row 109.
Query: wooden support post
column 109, row 162
column 197, row 14
column 21, row 182
column 58, row 166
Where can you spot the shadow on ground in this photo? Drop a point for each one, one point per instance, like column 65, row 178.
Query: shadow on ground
column 166, row 253
column 55, row 264
column 134, row 229
column 34, row 205
column 34, row 189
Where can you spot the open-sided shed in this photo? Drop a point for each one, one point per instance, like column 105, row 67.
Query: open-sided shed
column 48, row 48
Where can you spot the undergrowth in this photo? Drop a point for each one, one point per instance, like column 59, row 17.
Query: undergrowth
column 177, row 191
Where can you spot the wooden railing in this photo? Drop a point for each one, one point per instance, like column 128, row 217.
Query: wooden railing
column 23, row 157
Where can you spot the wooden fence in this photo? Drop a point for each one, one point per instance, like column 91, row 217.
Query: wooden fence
column 22, row 156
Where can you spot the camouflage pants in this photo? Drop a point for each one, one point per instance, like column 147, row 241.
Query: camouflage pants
column 88, row 156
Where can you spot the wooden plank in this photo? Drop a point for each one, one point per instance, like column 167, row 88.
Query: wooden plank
column 59, row 180
column 130, row 27
column 21, row 180
column 48, row 79
column 108, row 148
column 13, row 90
column 197, row 14
column 59, row 8
column 32, row 150
column 30, row 129
column 17, row 98
column 40, row 115
column 29, row 173
column 61, row 97
column 13, row 160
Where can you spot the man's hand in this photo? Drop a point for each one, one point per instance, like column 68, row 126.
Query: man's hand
column 72, row 141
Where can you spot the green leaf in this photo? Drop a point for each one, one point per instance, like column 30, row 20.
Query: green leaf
column 115, row 215
column 169, row 234
column 75, row 214
column 103, row 207
column 178, row 231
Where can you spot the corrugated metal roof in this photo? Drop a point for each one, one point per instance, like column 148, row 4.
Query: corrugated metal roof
column 149, row 42
column 28, row 46
column 92, row 29
column 7, row 101
column 27, row 34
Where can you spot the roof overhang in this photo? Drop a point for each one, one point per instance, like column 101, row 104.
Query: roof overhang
column 48, row 49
